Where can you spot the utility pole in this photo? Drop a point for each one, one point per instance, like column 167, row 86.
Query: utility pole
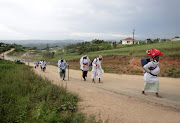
column 133, row 35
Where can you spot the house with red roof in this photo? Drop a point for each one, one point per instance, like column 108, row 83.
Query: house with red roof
column 175, row 39
column 129, row 41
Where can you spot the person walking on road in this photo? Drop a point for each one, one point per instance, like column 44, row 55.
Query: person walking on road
column 43, row 65
column 151, row 71
column 97, row 69
column 84, row 66
column 35, row 64
column 62, row 68
column 40, row 62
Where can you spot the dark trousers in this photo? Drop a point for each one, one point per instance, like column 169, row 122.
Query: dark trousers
column 84, row 74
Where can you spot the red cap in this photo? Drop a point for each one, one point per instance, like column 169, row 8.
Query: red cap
column 154, row 52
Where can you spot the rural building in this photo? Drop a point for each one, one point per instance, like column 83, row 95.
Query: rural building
column 129, row 41
column 176, row 39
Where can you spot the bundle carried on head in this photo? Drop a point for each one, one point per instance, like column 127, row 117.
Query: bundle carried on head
column 154, row 52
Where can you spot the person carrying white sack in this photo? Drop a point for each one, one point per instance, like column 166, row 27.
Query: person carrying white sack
column 151, row 71
column 84, row 66
column 97, row 69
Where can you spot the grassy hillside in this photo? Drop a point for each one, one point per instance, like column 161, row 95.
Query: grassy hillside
column 126, row 59
column 26, row 97
column 169, row 49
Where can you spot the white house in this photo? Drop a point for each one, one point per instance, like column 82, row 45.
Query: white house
column 129, row 41
column 175, row 39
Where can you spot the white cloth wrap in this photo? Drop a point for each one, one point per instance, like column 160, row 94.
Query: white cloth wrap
column 96, row 69
column 147, row 76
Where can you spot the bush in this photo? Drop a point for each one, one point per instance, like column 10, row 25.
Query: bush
column 26, row 97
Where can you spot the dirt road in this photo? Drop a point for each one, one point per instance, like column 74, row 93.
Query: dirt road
column 119, row 99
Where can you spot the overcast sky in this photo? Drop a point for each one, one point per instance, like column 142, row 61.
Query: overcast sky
column 89, row 19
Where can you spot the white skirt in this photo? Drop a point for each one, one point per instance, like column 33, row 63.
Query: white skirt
column 151, row 87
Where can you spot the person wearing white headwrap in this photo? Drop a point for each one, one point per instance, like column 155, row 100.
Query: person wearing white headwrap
column 97, row 69
column 84, row 66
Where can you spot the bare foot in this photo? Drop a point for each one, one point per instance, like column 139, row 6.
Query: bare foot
column 157, row 95
column 144, row 93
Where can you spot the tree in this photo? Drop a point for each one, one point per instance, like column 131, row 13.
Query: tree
column 47, row 47
column 34, row 48
column 120, row 42
column 114, row 44
column 97, row 41
column 149, row 40
column 48, row 55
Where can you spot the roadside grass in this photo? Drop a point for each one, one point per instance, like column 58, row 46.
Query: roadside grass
column 26, row 97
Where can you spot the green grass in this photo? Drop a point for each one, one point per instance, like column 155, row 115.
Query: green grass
column 26, row 97
column 169, row 49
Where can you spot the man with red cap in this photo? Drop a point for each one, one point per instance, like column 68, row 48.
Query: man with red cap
column 151, row 71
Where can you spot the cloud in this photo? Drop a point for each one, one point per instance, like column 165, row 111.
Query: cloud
column 89, row 19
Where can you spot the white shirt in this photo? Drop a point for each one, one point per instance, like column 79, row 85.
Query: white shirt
column 84, row 67
column 43, row 63
column 62, row 65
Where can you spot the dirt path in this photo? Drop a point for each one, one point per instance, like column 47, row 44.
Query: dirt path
column 119, row 99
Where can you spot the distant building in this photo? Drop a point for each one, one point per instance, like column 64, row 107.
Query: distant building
column 175, row 39
column 129, row 41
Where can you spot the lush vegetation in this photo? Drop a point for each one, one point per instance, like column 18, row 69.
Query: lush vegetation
column 26, row 97
column 85, row 47
column 5, row 47
column 169, row 49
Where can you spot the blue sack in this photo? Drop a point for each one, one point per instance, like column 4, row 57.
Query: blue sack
column 90, row 63
column 144, row 61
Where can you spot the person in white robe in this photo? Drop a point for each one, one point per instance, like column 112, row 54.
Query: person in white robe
column 40, row 62
column 62, row 68
column 151, row 71
column 35, row 64
column 84, row 66
column 43, row 65
column 97, row 69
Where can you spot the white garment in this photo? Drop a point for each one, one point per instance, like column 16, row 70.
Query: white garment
column 34, row 63
column 43, row 63
column 82, row 66
column 96, row 69
column 147, row 76
column 40, row 62
column 62, row 65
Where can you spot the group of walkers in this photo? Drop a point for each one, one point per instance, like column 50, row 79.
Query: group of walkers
column 42, row 65
column 96, row 71
column 151, row 69
column 85, row 63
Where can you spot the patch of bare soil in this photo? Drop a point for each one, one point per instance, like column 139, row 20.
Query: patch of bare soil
column 170, row 66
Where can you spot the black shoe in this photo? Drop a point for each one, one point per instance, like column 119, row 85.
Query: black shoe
column 84, row 79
